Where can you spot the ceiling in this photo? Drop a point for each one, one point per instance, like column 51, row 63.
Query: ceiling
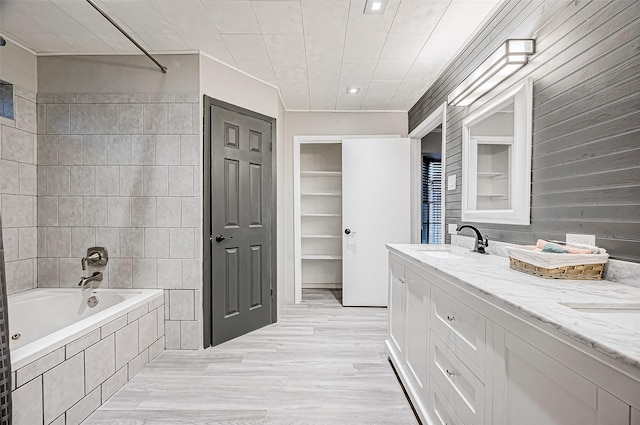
column 311, row 49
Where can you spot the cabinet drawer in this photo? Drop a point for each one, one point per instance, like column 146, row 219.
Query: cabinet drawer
column 460, row 386
column 458, row 324
column 440, row 411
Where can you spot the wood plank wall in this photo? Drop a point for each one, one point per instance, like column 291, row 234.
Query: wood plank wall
column 586, row 118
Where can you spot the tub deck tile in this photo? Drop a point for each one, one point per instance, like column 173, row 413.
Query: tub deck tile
column 136, row 365
column 113, row 326
column 63, row 386
column 114, row 383
column 126, row 344
column 82, row 343
column 27, row 403
column 99, row 363
column 138, row 313
column 40, row 366
column 81, row 410
column 148, row 330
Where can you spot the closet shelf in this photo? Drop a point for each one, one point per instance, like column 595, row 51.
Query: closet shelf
column 321, row 236
column 321, row 257
column 489, row 174
column 321, row 173
column 322, row 194
column 492, row 195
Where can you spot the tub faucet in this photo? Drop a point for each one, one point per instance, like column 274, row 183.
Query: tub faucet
column 480, row 243
column 90, row 258
column 95, row 277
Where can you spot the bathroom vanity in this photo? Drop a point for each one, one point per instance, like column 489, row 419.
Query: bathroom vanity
column 475, row 343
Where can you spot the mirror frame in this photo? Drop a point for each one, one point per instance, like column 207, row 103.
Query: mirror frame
column 520, row 187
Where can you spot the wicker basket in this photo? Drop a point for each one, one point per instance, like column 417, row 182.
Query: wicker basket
column 523, row 259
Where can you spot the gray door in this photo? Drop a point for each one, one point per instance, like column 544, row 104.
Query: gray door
column 240, row 223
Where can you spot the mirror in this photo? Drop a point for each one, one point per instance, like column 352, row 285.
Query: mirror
column 496, row 157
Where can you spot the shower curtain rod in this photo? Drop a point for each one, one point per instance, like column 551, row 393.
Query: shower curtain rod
column 142, row 49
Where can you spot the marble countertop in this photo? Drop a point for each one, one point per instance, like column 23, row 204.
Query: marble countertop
column 540, row 298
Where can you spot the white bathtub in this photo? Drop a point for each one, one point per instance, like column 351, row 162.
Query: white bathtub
column 47, row 319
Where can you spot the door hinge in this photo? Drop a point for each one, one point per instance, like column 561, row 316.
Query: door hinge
column 272, row 292
column 270, row 146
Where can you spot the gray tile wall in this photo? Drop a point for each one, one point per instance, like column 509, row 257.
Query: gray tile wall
column 123, row 171
column 18, row 190
column 67, row 385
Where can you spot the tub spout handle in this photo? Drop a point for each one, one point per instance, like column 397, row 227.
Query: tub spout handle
column 95, row 277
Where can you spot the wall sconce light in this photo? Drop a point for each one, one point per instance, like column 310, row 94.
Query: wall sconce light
column 504, row 62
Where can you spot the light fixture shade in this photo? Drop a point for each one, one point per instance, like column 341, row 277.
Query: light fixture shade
column 500, row 65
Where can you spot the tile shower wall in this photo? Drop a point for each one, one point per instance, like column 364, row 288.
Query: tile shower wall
column 18, row 190
column 123, row 171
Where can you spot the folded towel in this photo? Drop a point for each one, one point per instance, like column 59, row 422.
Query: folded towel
column 592, row 249
column 554, row 248
column 569, row 248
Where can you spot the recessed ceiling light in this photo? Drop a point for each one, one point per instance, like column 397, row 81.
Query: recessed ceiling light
column 375, row 7
column 353, row 90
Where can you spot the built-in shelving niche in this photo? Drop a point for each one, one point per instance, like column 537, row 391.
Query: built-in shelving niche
column 321, row 215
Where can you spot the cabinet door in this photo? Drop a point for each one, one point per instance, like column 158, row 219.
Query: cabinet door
column 417, row 320
column 635, row 417
column 396, row 308
column 531, row 388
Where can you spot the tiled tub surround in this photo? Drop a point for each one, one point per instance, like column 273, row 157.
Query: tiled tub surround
column 18, row 190
column 64, row 386
column 123, row 171
column 490, row 277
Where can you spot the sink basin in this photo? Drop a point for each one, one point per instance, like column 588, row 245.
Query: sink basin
column 441, row 254
column 623, row 315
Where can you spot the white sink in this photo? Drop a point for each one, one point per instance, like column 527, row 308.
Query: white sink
column 623, row 315
column 441, row 254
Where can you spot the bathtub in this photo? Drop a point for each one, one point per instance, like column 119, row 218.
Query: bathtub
column 43, row 320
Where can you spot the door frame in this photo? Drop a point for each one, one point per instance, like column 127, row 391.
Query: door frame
column 437, row 117
column 297, row 221
column 207, row 304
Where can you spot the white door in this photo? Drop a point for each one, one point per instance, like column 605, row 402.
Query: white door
column 376, row 210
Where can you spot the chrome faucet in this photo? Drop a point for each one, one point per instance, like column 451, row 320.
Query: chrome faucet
column 480, row 243
column 96, row 257
column 95, row 277
column 89, row 259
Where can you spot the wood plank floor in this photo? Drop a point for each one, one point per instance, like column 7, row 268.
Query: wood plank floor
column 320, row 364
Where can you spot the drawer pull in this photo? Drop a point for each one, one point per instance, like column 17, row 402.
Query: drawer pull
column 450, row 373
column 402, row 280
column 451, row 318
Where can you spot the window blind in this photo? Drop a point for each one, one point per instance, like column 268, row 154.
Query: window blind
column 431, row 201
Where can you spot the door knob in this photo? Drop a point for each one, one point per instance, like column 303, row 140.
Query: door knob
column 220, row 238
column 349, row 232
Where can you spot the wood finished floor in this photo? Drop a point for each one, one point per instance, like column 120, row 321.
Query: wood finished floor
column 320, row 364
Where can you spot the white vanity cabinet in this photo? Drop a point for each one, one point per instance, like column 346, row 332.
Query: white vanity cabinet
column 408, row 327
column 465, row 360
column 532, row 388
column 397, row 309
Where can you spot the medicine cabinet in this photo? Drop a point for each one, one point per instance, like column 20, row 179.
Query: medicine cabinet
column 496, row 159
